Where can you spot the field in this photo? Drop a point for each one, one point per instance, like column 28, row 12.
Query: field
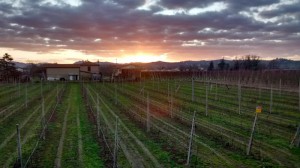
column 171, row 122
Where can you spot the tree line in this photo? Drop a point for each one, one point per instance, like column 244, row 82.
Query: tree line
column 8, row 71
column 248, row 62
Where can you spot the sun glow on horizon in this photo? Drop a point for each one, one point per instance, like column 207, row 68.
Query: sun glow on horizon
column 60, row 56
column 71, row 56
column 142, row 58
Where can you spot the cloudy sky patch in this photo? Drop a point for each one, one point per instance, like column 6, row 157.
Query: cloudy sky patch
column 191, row 29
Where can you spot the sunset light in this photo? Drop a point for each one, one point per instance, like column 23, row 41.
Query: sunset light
column 147, row 29
column 149, row 83
column 143, row 58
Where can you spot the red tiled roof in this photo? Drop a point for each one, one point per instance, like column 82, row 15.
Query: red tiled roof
column 61, row 66
column 69, row 65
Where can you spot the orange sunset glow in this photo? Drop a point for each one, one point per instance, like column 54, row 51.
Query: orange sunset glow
column 149, row 83
column 147, row 31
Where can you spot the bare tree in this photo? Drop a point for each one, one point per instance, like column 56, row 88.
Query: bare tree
column 211, row 66
column 7, row 67
column 251, row 62
column 222, row 64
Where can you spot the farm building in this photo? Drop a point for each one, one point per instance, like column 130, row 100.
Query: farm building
column 131, row 73
column 128, row 73
column 72, row 72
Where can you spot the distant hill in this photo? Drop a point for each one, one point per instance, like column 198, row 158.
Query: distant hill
column 20, row 64
column 202, row 64
column 285, row 64
column 265, row 64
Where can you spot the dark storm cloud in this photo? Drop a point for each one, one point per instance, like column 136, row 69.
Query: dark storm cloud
column 122, row 24
column 234, row 4
column 283, row 10
column 129, row 3
column 244, row 4
column 184, row 4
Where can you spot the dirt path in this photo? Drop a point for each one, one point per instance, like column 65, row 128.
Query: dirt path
column 61, row 141
column 79, row 141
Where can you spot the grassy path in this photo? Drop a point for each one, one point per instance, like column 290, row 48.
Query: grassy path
column 61, row 141
column 71, row 137
column 88, row 148
column 79, row 140
column 79, row 151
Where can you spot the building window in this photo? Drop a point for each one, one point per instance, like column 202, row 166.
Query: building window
column 89, row 69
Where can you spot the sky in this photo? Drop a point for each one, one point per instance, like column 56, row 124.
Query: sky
column 65, row 31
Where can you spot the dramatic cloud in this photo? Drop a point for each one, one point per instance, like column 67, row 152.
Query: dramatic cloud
column 176, row 29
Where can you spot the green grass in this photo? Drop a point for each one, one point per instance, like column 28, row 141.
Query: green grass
column 221, row 130
column 284, row 108
column 91, row 149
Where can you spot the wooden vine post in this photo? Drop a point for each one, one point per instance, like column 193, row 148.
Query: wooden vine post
column 116, row 98
column 19, row 147
column 206, row 100
column 171, row 105
column 296, row 138
column 178, row 87
column 43, row 118
column 26, row 97
column 140, row 83
column 280, row 87
column 158, row 83
column 116, row 145
column 57, row 93
column 239, row 96
column 216, row 92
column 19, row 88
column 168, row 91
column 143, row 89
column 153, row 82
column 122, row 84
column 259, row 90
column 148, row 113
column 41, row 89
column 258, row 110
column 193, row 90
column 271, row 99
column 191, row 140
column 97, row 118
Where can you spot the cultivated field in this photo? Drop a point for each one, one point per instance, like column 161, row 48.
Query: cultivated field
column 171, row 122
